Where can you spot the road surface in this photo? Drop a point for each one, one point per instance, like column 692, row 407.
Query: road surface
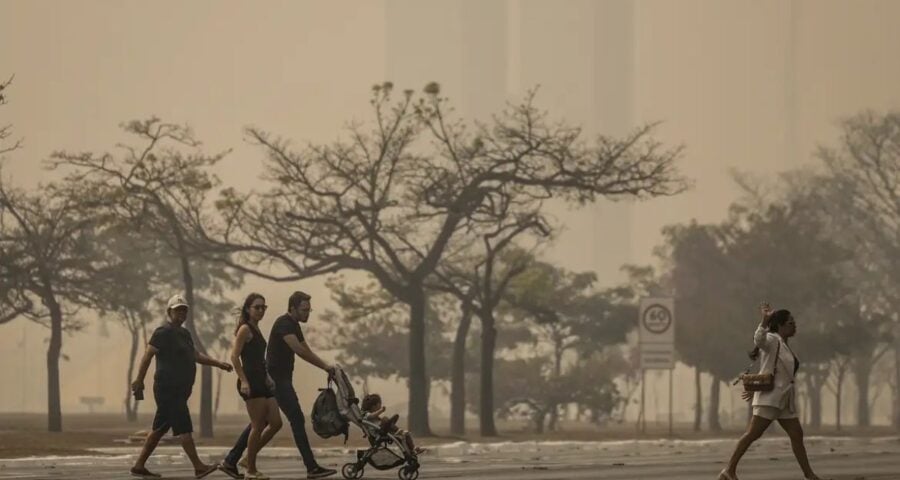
column 771, row 459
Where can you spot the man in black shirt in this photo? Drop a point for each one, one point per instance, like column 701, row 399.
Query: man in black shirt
column 176, row 360
column 285, row 341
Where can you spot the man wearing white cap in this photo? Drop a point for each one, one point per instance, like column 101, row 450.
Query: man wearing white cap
column 176, row 359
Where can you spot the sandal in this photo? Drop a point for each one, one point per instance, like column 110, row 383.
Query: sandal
column 724, row 475
column 231, row 471
column 205, row 471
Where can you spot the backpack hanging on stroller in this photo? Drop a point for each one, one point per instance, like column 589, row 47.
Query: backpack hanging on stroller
column 327, row 420
column 386, row 450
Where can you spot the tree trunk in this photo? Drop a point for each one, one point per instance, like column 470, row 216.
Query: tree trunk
column 803, row 404
column 218, row 394
column 698, row 394
column 553, row 424
column 539, row 418
column 418, row 376
column 814, row 393
column 838, row 396
column 488, row 345
column 539, row 423
column 206, row 426
column 458, row 375
column 557, row 372
column 131, row 405
column 713, row 414
column 862, row 369
column 54, row 410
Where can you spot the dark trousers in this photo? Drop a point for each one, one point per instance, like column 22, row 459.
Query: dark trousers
column 287, row 400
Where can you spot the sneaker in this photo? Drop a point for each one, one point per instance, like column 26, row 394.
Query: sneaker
column 230, row 470
column 243, row 463
column 143, row 473
column 255, row 476
column 320, row 472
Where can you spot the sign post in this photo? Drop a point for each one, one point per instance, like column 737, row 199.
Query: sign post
column 656, row 340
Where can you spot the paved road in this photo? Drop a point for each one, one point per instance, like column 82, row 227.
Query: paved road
column 841, row 459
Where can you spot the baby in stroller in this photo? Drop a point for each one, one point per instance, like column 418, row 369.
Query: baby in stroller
column 389, row 447
column 374, row 410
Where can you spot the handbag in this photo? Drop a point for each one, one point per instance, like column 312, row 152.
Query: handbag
column 761, row 382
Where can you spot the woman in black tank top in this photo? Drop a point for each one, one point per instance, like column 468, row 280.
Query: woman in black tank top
column 253, row 361
column 254, row 385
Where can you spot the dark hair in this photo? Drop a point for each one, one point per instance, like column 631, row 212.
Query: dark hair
column 776, row 320
column 297, row 298
column 244, row 316
column 370, row 401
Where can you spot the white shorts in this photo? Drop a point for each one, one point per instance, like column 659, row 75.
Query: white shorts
column 774, row 413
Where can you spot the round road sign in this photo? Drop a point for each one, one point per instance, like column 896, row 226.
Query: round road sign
column 657, row 319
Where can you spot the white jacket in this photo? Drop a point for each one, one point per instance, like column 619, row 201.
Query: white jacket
column 782, row 396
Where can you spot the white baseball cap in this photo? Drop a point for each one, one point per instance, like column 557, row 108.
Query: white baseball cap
column 176, row 301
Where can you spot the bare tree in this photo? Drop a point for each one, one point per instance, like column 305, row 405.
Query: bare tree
column 865, row 169
column 389, row 200
column 814, row 378
column 12, row 303
column 6, row 130
column 50, row 255
column 839, row 367
column 161, row 187
column 478, row 275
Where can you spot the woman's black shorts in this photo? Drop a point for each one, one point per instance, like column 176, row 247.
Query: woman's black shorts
column 172, row 409
column 258, row 389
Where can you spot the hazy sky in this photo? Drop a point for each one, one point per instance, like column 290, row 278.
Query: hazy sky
column 753, row 85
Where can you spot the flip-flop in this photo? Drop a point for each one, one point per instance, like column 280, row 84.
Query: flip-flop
column 203, row 473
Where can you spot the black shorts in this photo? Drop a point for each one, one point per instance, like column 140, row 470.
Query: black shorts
column 258, row 389
column 172, row 409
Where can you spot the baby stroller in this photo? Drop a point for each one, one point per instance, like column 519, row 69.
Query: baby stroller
column 386, row 450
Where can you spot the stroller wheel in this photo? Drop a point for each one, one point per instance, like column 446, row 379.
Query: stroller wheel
column 351, row 472
column 408, row 472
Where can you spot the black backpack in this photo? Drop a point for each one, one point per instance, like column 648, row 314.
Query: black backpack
column 327, row 420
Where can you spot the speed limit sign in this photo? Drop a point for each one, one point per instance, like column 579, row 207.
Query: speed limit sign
column 657, row 319
column 657, row 333
column 656, row 338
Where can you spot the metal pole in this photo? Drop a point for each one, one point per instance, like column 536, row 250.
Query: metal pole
column 670, row 402
column 643, row 403
column 24, row 364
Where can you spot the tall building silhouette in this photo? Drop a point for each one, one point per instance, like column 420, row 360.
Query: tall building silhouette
column 580, row 55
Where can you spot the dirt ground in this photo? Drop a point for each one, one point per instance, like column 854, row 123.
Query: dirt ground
column 23, row 435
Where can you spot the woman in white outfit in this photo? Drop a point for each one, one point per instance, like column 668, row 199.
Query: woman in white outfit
column 771, row 339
